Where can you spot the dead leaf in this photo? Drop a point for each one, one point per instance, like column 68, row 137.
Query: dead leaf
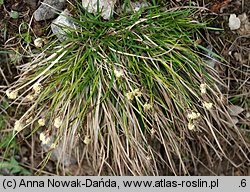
column 219, row 5
column 237, row 173
column 235, row 110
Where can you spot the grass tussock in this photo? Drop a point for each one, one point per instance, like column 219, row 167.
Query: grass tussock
column 131, row 95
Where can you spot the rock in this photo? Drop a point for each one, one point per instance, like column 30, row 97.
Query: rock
column 3, row 57
column 106, row 7
column 235, row 110
column 58, row 152
column 235, row 120
column 234, row 22
column 48, row 9
column 238, row 57
column 60, row 22
column 135, row 6
column 208, row 59
column 245, row 25
column 5, row 172
column 31, row 3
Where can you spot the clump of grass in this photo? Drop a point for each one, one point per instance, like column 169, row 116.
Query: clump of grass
column 131, row 95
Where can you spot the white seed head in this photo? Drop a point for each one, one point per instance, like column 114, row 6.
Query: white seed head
column 37, row 88
column 193, row 115
column 18, row 126
column 87, row 140
column 57, row 122
column 203, row 88
column 134, row 93
column 29, row 120
column 147, row 107
column 11, row 94
column 130, row 96
column 119, row 73
column 53, row 146
column 45, row 140
column 153, row 131
column 137, row 93
column 191, row 126
column 41, row 122
column 207, row 105
column 38, row 42
column 29, row 97
column 197, row 115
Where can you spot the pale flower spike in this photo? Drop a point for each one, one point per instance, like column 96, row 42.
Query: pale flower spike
column 130, row 96
column 207, row 105
column 18, row 126
column 57, row 122
column 137, row 93
column 134, row 93
column 119, row 73
column 45, row 140
column 203, row 88
column 30, row 97
column 53, row 146
column 147, row 107
column 193, row 115
column 38, row 42
column 29, row 120
column 11, row 94
column 191, row 126
column 41, row 122
column 37, row 87
column 87, row 140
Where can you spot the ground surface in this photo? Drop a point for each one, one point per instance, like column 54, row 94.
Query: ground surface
column 233, row 47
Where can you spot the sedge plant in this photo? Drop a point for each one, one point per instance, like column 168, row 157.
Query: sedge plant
column 131, row 95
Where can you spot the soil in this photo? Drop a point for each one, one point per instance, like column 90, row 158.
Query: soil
column 229, row 44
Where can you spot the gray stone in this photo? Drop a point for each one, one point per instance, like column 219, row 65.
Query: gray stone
column 58, row 153
column 234, row 22
column 49, row 9
column 135, row 6
column 5, row 172
column 105, row 6
column 31, row 3
column 60, row 24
